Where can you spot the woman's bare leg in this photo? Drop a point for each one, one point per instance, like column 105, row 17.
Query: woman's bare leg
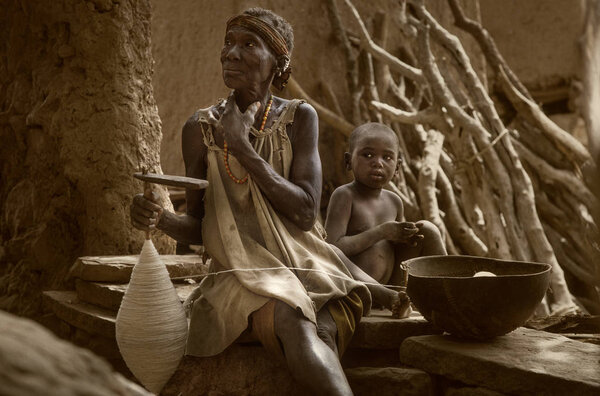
column 311, row 361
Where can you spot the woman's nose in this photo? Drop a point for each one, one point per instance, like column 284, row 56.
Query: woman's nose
column 232, row 53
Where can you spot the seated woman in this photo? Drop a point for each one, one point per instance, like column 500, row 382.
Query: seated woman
column 277, row 277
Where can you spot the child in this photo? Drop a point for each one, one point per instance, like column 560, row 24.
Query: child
column 365, row 221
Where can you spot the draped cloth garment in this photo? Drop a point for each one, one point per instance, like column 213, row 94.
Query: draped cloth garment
column 241, row 230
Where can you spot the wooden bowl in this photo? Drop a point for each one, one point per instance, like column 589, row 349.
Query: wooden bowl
column 445, row 292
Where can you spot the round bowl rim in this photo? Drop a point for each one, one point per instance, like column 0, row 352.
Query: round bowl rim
column 548, row 267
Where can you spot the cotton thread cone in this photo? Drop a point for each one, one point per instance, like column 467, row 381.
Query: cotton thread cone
column 151, row 325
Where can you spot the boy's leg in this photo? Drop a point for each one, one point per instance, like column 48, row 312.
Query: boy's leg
column 432, row 244
column 311, row 361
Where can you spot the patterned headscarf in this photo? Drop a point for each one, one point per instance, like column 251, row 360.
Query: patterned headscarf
column 271, row 37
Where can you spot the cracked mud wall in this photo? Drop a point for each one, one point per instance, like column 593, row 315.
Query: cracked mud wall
column 77, row 118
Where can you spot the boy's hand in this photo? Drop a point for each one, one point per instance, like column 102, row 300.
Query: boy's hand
column 401, row 232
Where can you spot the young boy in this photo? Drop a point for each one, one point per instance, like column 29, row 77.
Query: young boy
column 365, row 221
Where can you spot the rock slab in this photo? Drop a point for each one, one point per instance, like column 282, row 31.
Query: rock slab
column 118, row 268
column 35, row 362
column 524, row 362
column 249, row 370
column 391, row 381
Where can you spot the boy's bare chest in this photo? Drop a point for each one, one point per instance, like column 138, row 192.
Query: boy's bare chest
column 368, row 214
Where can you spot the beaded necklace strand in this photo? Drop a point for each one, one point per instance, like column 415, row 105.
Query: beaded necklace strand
column 226, row 151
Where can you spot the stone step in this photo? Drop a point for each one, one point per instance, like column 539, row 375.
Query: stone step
column 378, row 331
column 109, row 295
column 524, row 362
column 67, row 307
column 117, row 269
column 250, row 371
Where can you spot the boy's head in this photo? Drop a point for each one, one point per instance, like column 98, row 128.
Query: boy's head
column 373, row 155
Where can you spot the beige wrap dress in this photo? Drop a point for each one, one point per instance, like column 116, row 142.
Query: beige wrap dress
column 271, row 257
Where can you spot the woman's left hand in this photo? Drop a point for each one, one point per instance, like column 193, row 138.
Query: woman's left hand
column 236, row 125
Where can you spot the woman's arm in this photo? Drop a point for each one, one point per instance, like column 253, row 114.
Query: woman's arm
column 187, row 228
column 299, row 197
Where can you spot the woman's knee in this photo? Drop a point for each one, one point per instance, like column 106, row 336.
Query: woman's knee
column 290, row 324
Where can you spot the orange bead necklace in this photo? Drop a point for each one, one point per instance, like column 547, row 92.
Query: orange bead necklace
column 226, row 151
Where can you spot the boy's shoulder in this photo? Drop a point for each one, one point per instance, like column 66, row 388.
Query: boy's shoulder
column 392, row 197
column 343, row 192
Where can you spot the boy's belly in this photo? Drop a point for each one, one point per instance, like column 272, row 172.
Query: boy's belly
column 377, row 261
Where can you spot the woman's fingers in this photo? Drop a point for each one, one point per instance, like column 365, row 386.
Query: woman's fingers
column 143, row 202
column 231, row 106
column 251, row 111
column 144, row 213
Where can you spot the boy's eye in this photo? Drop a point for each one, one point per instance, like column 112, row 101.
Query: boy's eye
column 387, row 157
column 250, row 44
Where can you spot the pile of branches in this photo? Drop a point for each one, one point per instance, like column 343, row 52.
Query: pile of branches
column 507, row 185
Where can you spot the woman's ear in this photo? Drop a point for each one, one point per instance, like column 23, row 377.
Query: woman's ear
column 283, row 61
column 348, row 160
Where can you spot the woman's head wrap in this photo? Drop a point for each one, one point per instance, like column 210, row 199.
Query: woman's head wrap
column 271, row 37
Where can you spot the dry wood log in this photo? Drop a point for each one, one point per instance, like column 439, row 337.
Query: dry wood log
column 352, row 73
column 565, row 252
column 383, row 76
column 368, row 81
column 463, row 235
column 428, row 175
column 552, row 175
column 331, row 98
column 538, row 142
column 412, row 212
column 486, row 108
column 325, row 114
column 381, row 54
column 427, row 116
column 486, row 43
column 565, row 142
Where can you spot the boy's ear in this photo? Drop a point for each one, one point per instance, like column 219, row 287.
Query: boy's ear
column 348, row 160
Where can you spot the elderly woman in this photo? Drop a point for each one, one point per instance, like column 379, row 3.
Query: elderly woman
column 276, row 277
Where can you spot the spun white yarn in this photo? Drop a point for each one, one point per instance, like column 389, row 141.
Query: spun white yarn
column 151, row 325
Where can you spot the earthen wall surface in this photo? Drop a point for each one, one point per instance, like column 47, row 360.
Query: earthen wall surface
column 538, row 39
column 77, row 118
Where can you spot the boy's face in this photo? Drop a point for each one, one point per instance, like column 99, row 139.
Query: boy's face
column 374, row 159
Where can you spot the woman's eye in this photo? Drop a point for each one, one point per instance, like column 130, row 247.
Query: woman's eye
column 387, row 157
column 250, row 44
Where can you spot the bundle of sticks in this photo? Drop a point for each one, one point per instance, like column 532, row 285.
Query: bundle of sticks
column 504, row 184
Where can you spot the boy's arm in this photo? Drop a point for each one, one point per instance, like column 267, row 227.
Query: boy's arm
column 336, row 226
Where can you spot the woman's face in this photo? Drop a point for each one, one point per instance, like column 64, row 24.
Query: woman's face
column 246, row 60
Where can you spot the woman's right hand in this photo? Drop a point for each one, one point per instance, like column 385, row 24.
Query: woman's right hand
column 236, row 125
column 145, row 211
